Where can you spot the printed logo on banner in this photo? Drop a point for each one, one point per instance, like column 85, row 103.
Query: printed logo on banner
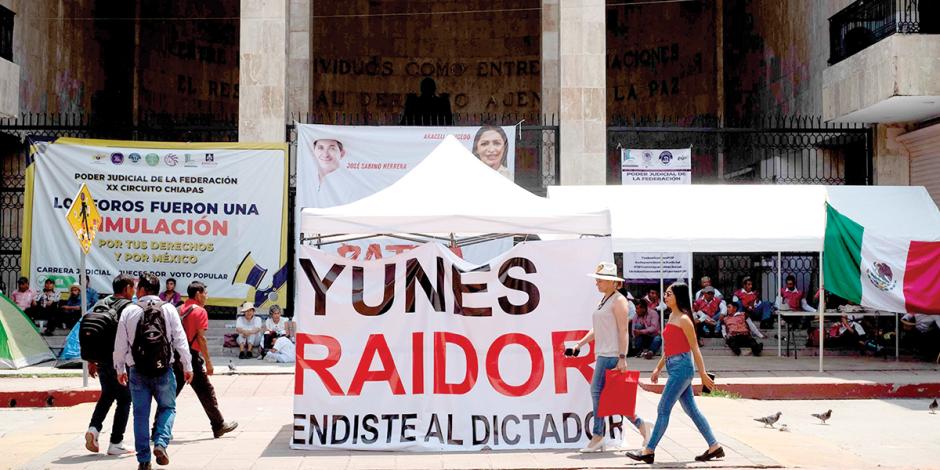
column 98, row 158
column 134, row 158
column 117, row 158
column 171, row 159
column 209, row 160
column 665, row 157
column 189, row 161
column 152, row 159
column 647, row 157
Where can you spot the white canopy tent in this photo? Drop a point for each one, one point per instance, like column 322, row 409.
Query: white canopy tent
column 451, row 192
column 787, row 218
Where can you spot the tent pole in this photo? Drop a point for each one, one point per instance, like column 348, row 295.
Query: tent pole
column 822, row 310
column 779, row 285
column 897, row 338
column 691, row 294
column 82, row 282
column 662, row 313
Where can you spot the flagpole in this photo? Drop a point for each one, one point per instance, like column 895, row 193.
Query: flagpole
column 662, row 313
column 822, row 310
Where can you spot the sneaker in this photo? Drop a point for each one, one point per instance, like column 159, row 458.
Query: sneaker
column 159, row 453
column 119, row 449
column 263, row 353
column 647, row 354
column 226, row 428
column 91, row 440
column 248, row 355
column 144, row 466
column 241, row 354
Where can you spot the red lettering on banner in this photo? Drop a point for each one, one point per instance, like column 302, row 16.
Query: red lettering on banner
column 535, row 373
column 562, row 363
column 417, row 363
column 320, row 366
column 376, row 344
column 441, row 339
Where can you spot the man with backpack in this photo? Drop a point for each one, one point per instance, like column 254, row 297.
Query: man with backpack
column 148, row 333
column 96, row 336
column 195, row 321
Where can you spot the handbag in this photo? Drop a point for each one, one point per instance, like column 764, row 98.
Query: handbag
column 619, row 394
column 230, row 340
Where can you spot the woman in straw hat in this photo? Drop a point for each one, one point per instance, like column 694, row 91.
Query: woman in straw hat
column 611, row 325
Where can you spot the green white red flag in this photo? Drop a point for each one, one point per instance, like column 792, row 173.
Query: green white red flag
column 880, row 272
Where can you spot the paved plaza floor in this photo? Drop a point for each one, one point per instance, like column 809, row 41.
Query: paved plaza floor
column 862, row 434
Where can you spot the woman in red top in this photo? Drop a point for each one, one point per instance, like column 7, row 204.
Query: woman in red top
column 680, row 348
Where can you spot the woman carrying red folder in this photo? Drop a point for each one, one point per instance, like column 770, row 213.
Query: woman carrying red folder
column 680, row 347
column 610, row 336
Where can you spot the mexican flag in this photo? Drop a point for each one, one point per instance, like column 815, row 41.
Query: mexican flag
column 880, row 272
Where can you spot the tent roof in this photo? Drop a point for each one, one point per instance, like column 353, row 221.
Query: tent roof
column 714, row 218
column 20, row 343
column 451, row 191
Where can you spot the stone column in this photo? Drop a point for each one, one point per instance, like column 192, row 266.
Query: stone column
column 892, row 160
column 299, row 83
column 551, row 88
column 262, row 74
column 583, row 109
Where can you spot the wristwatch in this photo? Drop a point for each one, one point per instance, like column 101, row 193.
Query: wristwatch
column 623, row 356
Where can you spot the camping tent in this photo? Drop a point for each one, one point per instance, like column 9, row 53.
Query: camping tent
column 786, row 218
column 20, row 343
column 451, row 192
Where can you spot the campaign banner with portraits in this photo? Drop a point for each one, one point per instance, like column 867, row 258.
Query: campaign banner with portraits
column 338, row 165
column 650, row 166
column 424, row 351
column 215, row 213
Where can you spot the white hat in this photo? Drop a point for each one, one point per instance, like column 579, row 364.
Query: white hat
column 247, row 306
column 607, row 271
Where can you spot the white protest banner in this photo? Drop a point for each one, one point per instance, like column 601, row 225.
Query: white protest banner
column 340, row 164
column 214, row 213
column 648, row 166
column 424, row 351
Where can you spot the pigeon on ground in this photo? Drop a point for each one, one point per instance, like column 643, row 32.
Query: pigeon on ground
column 823, row 416
column 769, row 420
column 933, row 407
column 231, row 367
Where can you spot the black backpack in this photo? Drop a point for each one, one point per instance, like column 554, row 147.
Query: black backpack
column 151, row 348
column 98, row 329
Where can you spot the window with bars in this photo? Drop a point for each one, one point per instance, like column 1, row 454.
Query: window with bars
column 6, row 33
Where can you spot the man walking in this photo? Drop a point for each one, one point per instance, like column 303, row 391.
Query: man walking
column 148, row 333
column 195, row 322
column 99, row 328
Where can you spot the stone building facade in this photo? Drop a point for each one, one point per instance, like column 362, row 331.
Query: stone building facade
column 589, row 63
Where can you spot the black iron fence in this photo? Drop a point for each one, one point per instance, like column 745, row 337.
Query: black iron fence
column 866, row 22
column 776, row 150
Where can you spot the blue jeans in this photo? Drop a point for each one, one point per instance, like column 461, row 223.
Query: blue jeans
column 679, row 388
column 111, row 391
column 647, row 342
column 143, row 390
column 602, row 365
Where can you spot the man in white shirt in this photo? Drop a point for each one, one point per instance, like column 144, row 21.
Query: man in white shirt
column 148, row 387
column 249, row 329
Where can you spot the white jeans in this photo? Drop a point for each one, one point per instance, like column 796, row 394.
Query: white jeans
column 254, row 340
